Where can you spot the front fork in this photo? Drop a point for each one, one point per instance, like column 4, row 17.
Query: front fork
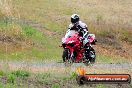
column 71, row 50
column 73, row 57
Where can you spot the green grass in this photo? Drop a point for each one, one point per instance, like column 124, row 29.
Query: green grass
column 21, row 73
column 11, row 78
column 23, row 79
column 126, row 35
column 8, row 85
column 38, row 45
column 55, row 16
column 44, row 78
column 19, row 78
column 55, row 85
column 24, row 42
column 53, row 26
column 110, row 59
column 100, row 86
column 1, row 73
column 42, row 47
column 57, row 11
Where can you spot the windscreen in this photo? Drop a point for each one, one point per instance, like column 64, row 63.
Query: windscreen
column 69, row 33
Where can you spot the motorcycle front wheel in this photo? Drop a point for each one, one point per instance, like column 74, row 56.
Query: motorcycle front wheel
column 66, row 57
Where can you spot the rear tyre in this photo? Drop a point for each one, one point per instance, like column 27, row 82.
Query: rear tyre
column 66, row 57
column 90, row 56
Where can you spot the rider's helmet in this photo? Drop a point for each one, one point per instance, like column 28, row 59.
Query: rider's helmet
column 75, row 19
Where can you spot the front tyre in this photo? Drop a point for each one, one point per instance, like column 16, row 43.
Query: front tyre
column 66, row 57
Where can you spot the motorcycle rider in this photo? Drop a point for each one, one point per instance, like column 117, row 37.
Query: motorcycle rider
column 80, row 27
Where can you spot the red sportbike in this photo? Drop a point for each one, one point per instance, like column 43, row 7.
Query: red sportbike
column 74, row 52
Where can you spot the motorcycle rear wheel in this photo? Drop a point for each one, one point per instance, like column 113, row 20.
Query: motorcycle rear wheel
column 92, row 59
column 91, row 56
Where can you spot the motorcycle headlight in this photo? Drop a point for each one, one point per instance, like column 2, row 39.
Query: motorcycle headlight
column 71, row 41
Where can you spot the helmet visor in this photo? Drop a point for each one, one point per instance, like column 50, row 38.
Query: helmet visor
column 73, row 20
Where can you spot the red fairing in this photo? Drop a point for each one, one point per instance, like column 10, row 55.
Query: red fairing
column 74, row 49
column 73, row 38
column 91, row 38
column 76, row 46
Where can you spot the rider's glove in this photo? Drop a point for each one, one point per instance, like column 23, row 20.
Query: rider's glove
column 81, row 39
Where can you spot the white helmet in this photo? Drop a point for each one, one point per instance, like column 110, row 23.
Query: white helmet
column 75, row 18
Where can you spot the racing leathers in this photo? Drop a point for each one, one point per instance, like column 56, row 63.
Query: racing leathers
column 82, row 29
